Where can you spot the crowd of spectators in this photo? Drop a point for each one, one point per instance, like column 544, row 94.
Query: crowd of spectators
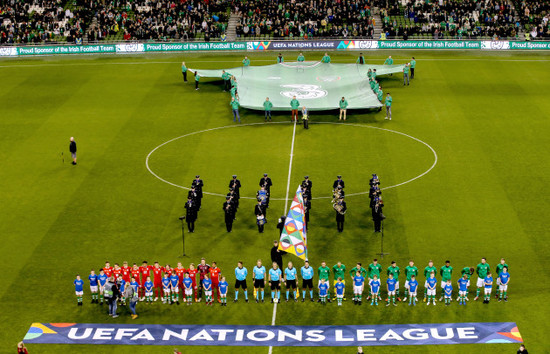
column 306, row 19
column 535, row 16
column 40, row 21
column 452, row 19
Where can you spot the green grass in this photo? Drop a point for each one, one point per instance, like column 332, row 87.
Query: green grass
column 484, row 114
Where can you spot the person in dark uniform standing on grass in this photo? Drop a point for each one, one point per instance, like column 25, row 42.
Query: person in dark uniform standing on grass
column 198, row 184
column 339, row 182
column 259, row 211
column 277, row 254
column 191, row 214
column 229, row 211
column 72, row 149
column 307, row 208
column 341, row 209
column 236, row 185
column 281, row 224
column 377, row 215
column 266, row 183
column 308, row 185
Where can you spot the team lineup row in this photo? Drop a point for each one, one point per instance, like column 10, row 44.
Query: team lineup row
column 165, row 282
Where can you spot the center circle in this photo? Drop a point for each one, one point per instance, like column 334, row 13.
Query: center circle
column 322, row 152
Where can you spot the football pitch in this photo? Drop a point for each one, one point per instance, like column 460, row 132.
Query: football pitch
column 485, row 115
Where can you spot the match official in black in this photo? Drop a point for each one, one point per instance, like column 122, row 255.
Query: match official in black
column 338, row 183
column 236, row 185
column 198, row 184
column 277, row 254
column 308, row 185
column 266, row 183
column 229, row 211
column 191, row 214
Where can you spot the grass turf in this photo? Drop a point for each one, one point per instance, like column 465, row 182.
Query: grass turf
column 483, row 113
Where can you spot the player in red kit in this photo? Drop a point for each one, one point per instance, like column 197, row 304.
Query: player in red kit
column 126, row 273
column 117, row 271
column 180, row 272
column 108, row 270
column 193, row 275
column 136, row 274
column 215, row 277
column 157, row 280
column 145, row 270
column 203, row 270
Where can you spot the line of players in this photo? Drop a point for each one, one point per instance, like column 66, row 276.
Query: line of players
column 167, row 282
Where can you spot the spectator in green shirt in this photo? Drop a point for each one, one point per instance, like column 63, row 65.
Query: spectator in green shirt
column 413, row 64
column 246, row 61
column 294, row 105
column 268, row 105
column 235, row 108
column 184, row 71
column 301, row 58
column 388, row 106
column 197, row 78
column 406, row 70
column 343, row 108
column 326, row 59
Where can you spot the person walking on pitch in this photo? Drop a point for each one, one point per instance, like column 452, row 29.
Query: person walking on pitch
column 388, row 103
column 294, row 105
column 406, row 70
column 343, row 104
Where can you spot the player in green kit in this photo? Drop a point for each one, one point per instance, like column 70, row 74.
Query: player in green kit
column 446, row 273
column 324, row 273
column 482, row 269
column 468, row 271
column 394, row 271
column 410, row 270
column 500, row 266
column 374, row 269
column 429, row 268
column 339, row 271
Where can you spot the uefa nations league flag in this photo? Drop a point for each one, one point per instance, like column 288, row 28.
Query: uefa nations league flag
column 294, row 236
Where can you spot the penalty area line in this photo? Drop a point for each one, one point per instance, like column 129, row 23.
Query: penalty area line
column 274, row 316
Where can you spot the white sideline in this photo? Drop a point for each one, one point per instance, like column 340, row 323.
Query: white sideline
column 286, row 208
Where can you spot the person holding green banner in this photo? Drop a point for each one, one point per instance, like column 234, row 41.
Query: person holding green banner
column 267, row 107
column 301, row 58
column 234, row 93
column 373, row 75
column 184, row 71
column 246, row 61
column 235, row 108
column 361, row 59
column 226, row 81
column 197, row 78
column 326, row 59
column 343, row 107
column 412, row 64
column 294, row 104
column 380, row 95
column 388, row 106
column 280, row 59
column 369, row 74
column 406, row 70
column 389, row 61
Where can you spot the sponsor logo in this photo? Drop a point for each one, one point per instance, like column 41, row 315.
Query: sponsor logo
column 8, row 51
column 303, row 91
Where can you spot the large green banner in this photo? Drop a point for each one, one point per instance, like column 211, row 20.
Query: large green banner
column 429, row 45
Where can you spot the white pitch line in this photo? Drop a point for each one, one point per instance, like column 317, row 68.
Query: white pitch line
column 286, row 208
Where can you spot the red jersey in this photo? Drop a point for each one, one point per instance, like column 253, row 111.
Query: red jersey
column 126, row 273
column 117, row 272
column 136, row 273
column 193, row 275
column 145, row 272
column 180, row 272
column 168, row 270
column 215, row 275
column 157, row 272
column 108, row 271
column 203, row 270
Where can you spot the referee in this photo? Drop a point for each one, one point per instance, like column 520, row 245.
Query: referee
column 307, row 280
column 240, row 282
column 72, row 149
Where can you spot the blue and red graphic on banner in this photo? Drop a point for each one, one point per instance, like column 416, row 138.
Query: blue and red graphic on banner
column 305, row 336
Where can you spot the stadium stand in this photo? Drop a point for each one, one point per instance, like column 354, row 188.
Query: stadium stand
column 534, row 16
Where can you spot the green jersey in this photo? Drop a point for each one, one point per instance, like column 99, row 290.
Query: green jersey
column 294, row 104
column 343, row 104
column 234, row 104
column 393, row 271
column 280, row 59
column 446, row 273
column 326, row 59
column 373, row 75
column 323, row 273
column 428, row 270
column 380, row 95
column 372, row 82
column 388, row 101
column 183, row 69
column 197, row 77
column 226, row 76
column 482, row 270
column 410, row 271
column 301, row 58
column 233, row 91
column 339, row 272
column 233, row 83
column 268, row 105
column 354, row 271
column 374, row 269
column 499, row 268
column 369, row 74
column 466, row 270
column 388, row 61
column 406, row 69
column 246, row 62
column 413, row 63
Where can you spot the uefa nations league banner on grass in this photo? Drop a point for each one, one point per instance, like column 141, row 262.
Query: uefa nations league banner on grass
column 303, row 336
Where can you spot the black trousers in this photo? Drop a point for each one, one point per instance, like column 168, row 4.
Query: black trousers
column 340, row 225
column 412, row 73
column 226, row 85
column 306, row 123
column 377, row 224
column 199, row 202
column 261, row 228
column 196, row 84
column 229, row 222
column 191, row 226
column 184, row 76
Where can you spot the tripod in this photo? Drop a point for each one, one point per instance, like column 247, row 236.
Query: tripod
column 382, row 254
